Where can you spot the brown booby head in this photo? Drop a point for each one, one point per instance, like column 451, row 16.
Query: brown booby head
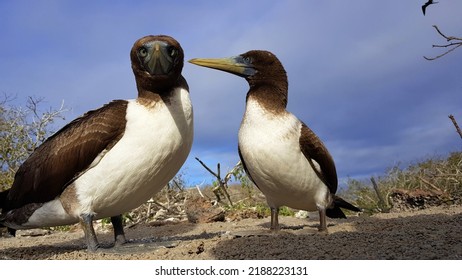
column 157, row 62
column 261, row 69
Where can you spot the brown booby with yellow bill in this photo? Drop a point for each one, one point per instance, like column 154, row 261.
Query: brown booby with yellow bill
column 112, row 159
column 281, row 155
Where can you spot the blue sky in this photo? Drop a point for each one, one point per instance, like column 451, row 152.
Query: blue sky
column 356, row 71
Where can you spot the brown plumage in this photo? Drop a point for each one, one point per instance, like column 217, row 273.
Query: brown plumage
column 315, row 151
column 64, row 155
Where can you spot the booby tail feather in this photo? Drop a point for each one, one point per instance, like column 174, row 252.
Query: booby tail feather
column 336, row 212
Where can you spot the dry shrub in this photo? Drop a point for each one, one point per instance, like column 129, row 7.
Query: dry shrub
column 433, row 181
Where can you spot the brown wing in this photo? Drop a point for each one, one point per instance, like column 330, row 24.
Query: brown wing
column 314, row 150
column 55, row 163
column 245, row 167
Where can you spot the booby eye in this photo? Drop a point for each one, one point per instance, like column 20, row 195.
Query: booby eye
column 143, row 52
column 173, row 52
column 247, row 60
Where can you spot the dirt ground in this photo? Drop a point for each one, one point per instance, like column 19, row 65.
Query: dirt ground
column 434, row 233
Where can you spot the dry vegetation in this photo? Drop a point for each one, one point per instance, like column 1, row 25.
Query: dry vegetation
column 22, row 129
column 431, row 182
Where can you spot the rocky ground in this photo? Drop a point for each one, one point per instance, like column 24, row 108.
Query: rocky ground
column 433, row 233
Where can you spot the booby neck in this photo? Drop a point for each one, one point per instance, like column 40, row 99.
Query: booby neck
column 269, row 83
column 272, row 98
column 153, row 96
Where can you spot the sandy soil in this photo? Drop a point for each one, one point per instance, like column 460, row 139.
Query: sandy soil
column 434, row 233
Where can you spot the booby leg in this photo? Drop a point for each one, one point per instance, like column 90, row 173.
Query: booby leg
column 86, row 220
column 119, row 235
column 11, row 232
column 322, row 219
column 274, row 218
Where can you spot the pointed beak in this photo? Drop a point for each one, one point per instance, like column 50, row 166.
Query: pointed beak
column 234, row 65
column 159, row 61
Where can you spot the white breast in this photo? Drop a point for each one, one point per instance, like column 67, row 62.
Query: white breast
column 270, row 147
column 155, row 145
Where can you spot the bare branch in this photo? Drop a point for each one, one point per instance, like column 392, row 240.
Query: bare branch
column 438, row 56
column 382, row 203
column 230, row 173
column 430, row 184
column 456, row 125
column 222, row 183
column 206, row 167
column 448, row 39
column 175, row 183
column 158, row 204
column 218, row 169
column 445, row 46
column 199, row 190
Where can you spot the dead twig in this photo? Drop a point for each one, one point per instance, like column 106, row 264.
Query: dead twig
column 454, row 45
column 382, row 204
column 448, row 38
column 438, row 190
column 160, row 205
column 199, row 190
column 206, row 167
column 222, row 183
column 175, row 183
column 456, row 125
column 230, row 173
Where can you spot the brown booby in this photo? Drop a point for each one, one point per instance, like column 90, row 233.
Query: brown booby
column 281, row 155
column 112, row 159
